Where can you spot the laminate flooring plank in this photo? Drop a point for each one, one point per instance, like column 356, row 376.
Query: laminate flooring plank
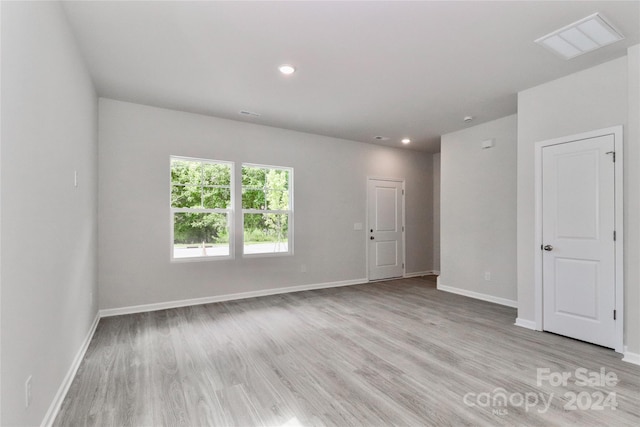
column 394, row 366
column 388, row 373
column 166, row 384
column 196, row 373
column 389, row 353
column 366, row 359
column 253, row 372
column 334, row 374
column 293, row 371
column 313, row 396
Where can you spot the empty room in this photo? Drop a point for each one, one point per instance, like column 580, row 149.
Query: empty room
column 319, row 213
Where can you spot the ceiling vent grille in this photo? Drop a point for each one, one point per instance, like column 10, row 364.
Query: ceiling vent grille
column 582, row 36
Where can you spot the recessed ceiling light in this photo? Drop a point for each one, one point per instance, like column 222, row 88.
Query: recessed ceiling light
column 406, row 141
column 287, row 69
column 582, row 36
column 381, row 138
column 467, row 119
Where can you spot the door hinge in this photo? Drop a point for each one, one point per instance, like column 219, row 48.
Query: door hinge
column 613, row 155
column 403, row 192
column 403, row 265
column 614, row 315
column 614, row 235
column 403, row 228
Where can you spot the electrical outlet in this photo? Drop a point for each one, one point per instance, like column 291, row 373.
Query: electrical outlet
column 75, row 178
column 487, row 275
column 27, row 392
column 303, row 268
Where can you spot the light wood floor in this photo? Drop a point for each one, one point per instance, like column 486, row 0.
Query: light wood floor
column 390, row 353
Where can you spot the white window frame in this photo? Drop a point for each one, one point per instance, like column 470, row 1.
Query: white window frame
column 229, row 212
column 288, row 212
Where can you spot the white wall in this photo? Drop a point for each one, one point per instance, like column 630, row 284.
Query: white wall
column 632, row 217
column 330, row 196
column 591, row 99
column 478, row 210
column 436, row 212
column 0, row 218
column 49, row 228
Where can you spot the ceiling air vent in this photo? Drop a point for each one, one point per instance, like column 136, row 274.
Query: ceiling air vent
column 582, row 36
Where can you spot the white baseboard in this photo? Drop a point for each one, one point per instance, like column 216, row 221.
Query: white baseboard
column 476, row 295
column 419, row 274
column 219, row 298
column 51, row 414
column 631, row 357
column 524, row 323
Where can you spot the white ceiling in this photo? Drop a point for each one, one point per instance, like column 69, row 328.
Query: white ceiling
column 390, row 68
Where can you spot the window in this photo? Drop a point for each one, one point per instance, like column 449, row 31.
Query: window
column 201, row 208
column 203, row 214
column 267, row 209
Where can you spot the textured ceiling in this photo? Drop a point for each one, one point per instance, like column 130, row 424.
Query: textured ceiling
column 395, row 69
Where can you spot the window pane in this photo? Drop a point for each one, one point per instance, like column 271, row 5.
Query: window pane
column 277, row 200
column 216, row 198
column 253, row 199
column 266, row 233
column 186, row 172
column 277, row 179
column 186, row 196
column 253, row 177
column 200, row 234
column 216, row 174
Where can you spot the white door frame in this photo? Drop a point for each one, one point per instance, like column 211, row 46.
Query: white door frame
column 366, row 235
column 616, row 131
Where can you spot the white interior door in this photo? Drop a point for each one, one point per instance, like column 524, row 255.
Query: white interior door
column 578, row 247
column 385, row 233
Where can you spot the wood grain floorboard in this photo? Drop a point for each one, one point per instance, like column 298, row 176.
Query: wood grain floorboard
column 389, row 353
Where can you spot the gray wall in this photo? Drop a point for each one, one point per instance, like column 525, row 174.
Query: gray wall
column 49, row 227
column 330, row 196
column 436, row 212
column 588, row 100
column 478, row 207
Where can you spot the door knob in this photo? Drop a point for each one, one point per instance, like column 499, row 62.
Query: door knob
column 547, row 247
column 371, row 237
